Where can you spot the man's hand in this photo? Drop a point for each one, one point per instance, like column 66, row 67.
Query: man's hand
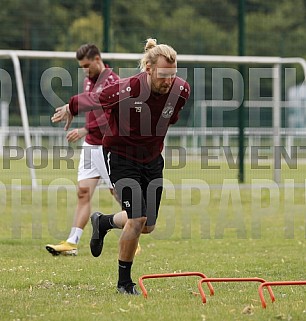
column 76, row 134
column 62, row 113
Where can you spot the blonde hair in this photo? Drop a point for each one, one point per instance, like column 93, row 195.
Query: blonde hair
column 152, row 51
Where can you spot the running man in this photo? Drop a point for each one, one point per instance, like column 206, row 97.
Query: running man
column 142, row 108
column 91, row 169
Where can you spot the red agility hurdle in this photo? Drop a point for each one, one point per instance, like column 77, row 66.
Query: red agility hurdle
column 275, row 283
column 170, row 275
column 233, row 280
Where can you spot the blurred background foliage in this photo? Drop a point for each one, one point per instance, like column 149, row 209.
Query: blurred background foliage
column 198, row 27
column 273, row 28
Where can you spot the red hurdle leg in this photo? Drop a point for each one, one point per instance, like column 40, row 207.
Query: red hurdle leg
column 232, row 280
column 275, row 283
column 170, row 275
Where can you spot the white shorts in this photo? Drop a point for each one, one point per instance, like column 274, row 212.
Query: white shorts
column 92, row 164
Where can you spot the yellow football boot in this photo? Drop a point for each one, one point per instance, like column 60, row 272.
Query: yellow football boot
column 64, row 248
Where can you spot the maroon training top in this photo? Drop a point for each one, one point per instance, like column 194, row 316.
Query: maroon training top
column 139, row 119
column 97, row 120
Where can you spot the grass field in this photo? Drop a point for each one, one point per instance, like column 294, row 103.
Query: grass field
column 230, row 230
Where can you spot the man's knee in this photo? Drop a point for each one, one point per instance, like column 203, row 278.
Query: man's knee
column 137, row 223
column 84, row 194
column 148, row 229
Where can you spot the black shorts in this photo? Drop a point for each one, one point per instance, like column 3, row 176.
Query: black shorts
column 139, row 186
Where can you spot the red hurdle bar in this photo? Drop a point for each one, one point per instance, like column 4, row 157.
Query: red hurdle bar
column 233, row 280
column 171, row 275
column 275, row 283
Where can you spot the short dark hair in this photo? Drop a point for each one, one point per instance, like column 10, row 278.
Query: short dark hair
column 88, row 51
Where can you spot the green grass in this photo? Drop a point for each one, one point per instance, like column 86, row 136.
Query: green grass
column 229, row 231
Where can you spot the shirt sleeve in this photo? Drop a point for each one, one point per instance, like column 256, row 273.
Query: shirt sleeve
column 183, row 93
column 86, row 102
column 100, row 120
column 108, row 98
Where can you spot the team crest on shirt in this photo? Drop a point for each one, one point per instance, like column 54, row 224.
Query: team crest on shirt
column 168, row 111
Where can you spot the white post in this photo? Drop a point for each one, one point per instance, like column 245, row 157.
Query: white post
column 23, row 111
column 276, row 118
column 203, row 114
column 4, row 106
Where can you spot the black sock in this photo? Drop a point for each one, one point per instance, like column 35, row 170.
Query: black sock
column 111, row 221
column 107, row 222
column 124, row 272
